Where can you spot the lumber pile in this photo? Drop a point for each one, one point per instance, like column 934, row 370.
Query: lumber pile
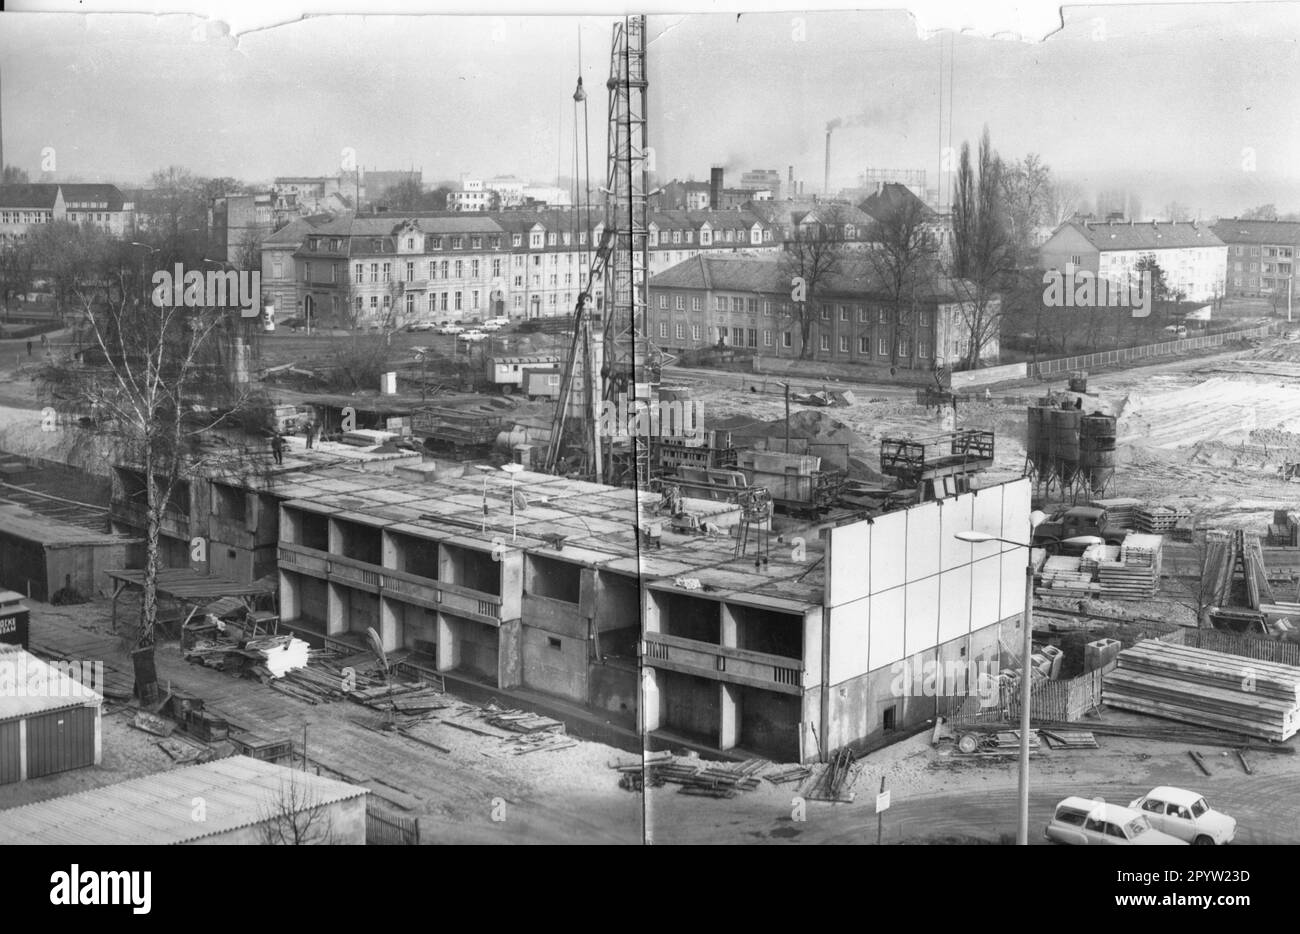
column 1120, row 511
column 703, row 779
column 1062, row 572
column 279, row 654
column 1159, row 520
column 1207, row 688
column 832, row 781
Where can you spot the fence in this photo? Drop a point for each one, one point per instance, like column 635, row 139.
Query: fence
column 1063, row 701
column 1048, row 368
column 1231, row 643
column 384, row 829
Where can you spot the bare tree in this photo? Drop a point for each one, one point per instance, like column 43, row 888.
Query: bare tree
column 12, row 175
column 813, row 254
column 164, row 391
column 1177, row 213
column 982, row 254
column 1062, row 200
column 295, row 817
column 1265, row 212
column 1025, row 190
column 900, row 253
column 16, row 265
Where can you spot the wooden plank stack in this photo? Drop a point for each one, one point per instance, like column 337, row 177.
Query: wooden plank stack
column 1159, row 520
column 1119, row 510
column 1207, row 688
column 1062, row 572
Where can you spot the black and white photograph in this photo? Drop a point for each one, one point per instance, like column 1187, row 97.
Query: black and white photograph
column 870, row 427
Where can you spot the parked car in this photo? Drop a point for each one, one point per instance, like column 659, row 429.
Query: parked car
column 473, row 335
column 293, row 324
column 501, row 321
column 1178, row 330
column 491, row 326
column 1086, row 822
column 448, row 329
column 420, row 326
column 1186, row 815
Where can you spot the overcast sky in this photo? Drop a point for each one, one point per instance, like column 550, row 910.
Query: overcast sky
column 1166, row 100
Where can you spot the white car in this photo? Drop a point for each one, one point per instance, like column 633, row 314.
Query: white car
column 1088, row 822
column 491, row 325
column 500, row 321
column 1186, row 815
column 448, row 329
column 473, row 335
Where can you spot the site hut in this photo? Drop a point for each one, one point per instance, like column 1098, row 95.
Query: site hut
column 243, row 800
column 41, row 555
column 507, row 374
column 820, row 651
column 49, row 716
column 544, row 603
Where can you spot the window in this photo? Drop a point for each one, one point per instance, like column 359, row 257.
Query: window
column 882, row 316
column 519, row 282
column 695, row 303
column 496, row 268
column 360, row 304
column 752, row 336
column 388, row 301
column 844, row 312
column 752, row 305
column 904, row 346
column 306, row 272
column 864, row 345
column 374, row 272
column 277, row 270
column 410, row 272
column 442, row 302
column 519, row 301
column 663, row 301
column 433, row 302
column 882, row 347
column 474, row 300
column 926, row 318
column 844, row 343
column 826, row 342
column 690, row 236
column 435, row 243
column 535, row 241
column 663, row 328
column 388, row 272
column 458, row 300
column 457, row 242
column 785, row 339
column 360, row 272
column 554, row 281
column 444, row 266
column 681, row 332
column 738, row 337
column 374, row 303
column 923, row 348
column 737, row 305
column 719, row 303
column 695, row 332
column 681, row 302
column 476, row 243
column 410, row 303
column 824, row 312
column 460, row 269
column 517, row 240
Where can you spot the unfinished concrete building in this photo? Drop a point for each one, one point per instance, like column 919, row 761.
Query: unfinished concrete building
column 542, row 595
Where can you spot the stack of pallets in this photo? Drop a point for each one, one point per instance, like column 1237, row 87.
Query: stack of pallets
column 1137, row 572
column 1062, row 572
column 1207, row 688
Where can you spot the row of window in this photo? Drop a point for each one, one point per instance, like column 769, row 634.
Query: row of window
column 1275, row 268
column 749, row 337
column 747, row 305
column 1278, row 251
column 25, row 217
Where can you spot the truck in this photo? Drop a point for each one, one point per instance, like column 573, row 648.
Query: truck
column 1074, row 522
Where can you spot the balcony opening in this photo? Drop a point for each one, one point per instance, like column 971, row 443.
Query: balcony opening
column 229, row 503
column 556, row 580
column 313, row 531
column 689, row 618
column 360, row 542
column 473, row 649
column 760, row 630
column 618, row 619
column 769, row 723
column 689, row 706
column 473, row 569
column 415, row 555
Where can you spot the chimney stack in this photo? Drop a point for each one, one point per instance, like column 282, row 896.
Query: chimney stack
column 715, row 188
column 826, row 182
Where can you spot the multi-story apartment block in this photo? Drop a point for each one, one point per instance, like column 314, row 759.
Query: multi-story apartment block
column 1192, row 257
column 745, row 303
column 1261, row 256
column 801, row 219
column 22, row 207
column 676, row 236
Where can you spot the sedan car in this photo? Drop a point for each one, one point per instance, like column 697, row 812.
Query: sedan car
column 473, row 335
column 491, row 325
column 420, row 326
column 1186, row 815
column 1087, row 822
column 448, row 329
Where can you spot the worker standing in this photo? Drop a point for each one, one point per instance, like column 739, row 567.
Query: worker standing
column 277, row 447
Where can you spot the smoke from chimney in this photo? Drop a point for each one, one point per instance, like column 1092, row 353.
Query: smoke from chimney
column 826, row 183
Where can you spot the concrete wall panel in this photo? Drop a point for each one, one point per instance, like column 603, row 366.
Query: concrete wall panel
column 887, row 628
column 850, row 574
column 850, row 636
column 922, row 535
column 922, row 614
column 888, row 551
column 958, row 516
column 955, row 607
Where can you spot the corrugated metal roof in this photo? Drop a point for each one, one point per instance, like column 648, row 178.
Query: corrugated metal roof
column 30, row 686
column 160, row 809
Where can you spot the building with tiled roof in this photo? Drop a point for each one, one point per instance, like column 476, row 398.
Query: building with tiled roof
column 1261, row 256
column 745, row 303
column 1192, row 257
column 24, row 206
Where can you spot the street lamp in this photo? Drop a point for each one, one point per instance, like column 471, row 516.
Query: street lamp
column 512, row 469
column 1027, row 650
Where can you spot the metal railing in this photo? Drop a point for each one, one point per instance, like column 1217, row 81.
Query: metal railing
column 1045, row 368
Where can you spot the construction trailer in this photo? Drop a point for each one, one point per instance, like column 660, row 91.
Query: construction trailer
column 507, row 374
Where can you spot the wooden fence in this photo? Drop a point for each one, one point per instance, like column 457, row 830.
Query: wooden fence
column 384, row 829
column 1231, row 643
column 1047, row 368
column 1065, row 700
